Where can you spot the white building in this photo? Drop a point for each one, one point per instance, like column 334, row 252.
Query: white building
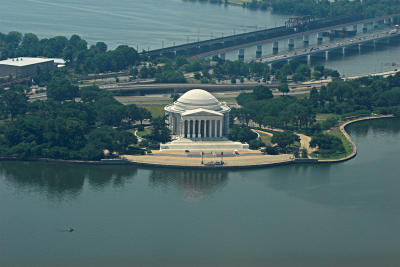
column 198, row 115
column 24, row 66
column 199, row 123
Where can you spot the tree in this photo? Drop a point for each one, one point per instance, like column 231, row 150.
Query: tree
column 327, row 144
column 262, row 92
column 174, row 97
column 284, row 139
column 13, row 102
column 160, row 132
column 60, row 88
column 283, row 88
column 241, row 133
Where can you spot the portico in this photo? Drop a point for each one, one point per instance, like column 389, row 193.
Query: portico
column 198, row 115
column 199, row 123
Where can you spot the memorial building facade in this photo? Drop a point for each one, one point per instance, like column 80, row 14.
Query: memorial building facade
column 198, row 115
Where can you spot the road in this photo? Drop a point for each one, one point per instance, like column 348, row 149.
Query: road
column 329, row 47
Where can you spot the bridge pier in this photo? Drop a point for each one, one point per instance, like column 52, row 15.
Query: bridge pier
column 319, row 38
column 365, row 28
column 291, row 44
column 259, row 51
column 222, row 56
column 308, row 59
column 332, row 34
column 306, row 40
column 355, row 28
column 326, row 55
column 241, row 54
column 275, row 47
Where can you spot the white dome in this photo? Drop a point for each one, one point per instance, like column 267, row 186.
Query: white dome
column 198, row 97
column 194, row 99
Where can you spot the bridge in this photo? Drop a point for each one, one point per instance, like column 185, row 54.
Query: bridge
column 293, row 27
column 323, row 51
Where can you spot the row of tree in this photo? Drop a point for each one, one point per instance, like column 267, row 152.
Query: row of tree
column 343, row 98
column 81, row 57
column 326, row 8
column 72, row 124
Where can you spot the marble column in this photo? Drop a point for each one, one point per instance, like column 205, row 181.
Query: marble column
column 191, row 129
column 208, row 128
column 196, row 129
column 221, row 127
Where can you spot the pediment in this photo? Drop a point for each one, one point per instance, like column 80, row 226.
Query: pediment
column 201, row 112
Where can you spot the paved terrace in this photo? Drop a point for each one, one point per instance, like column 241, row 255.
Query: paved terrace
column 251, row 158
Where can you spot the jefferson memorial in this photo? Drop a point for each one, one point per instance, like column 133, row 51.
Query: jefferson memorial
column 199, row 115
column 199, row 122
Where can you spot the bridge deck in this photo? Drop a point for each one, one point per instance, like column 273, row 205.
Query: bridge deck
column 249, row 44
column 329, row 47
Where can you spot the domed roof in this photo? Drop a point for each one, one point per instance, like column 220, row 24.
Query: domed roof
column 194, row 99
column 198, row 97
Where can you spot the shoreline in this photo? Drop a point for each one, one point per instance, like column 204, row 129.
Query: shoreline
column 270, row 161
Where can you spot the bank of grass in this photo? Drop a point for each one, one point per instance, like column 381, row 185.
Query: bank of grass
column 156, row 110
column 265, row 138
column 347, row 146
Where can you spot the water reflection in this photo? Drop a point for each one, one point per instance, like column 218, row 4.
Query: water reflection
column 194, row 183
column 61, row 180
column 382, row 126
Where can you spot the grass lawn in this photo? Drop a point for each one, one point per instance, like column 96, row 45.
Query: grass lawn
column 227, row 99
column 156, row 110
column 347, row 147
column 145, row 132
column 324, row 116
column 265, row 138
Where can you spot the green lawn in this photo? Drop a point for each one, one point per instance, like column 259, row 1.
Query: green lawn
column 156, row 110
column 145, row 132
column 265, row 138
column 324, row 116
column 347, row 147
column 346, row 143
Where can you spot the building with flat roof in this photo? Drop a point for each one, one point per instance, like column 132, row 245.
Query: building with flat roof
column 24, row 66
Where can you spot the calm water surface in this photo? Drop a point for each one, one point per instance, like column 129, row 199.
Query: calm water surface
column 143, row 23
column 345, row 214
column 152, row 24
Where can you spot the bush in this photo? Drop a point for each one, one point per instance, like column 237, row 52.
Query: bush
column 329, row 123
column 327, row 144
column 241, row 133
column 140, row 128
column 255, row 144
column 271, row 150
column 134, row 150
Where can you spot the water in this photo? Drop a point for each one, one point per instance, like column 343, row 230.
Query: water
column 343, row 214
column 143, row 23
column 152, row 24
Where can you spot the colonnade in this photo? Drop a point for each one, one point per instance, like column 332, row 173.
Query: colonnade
column 202, row 128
